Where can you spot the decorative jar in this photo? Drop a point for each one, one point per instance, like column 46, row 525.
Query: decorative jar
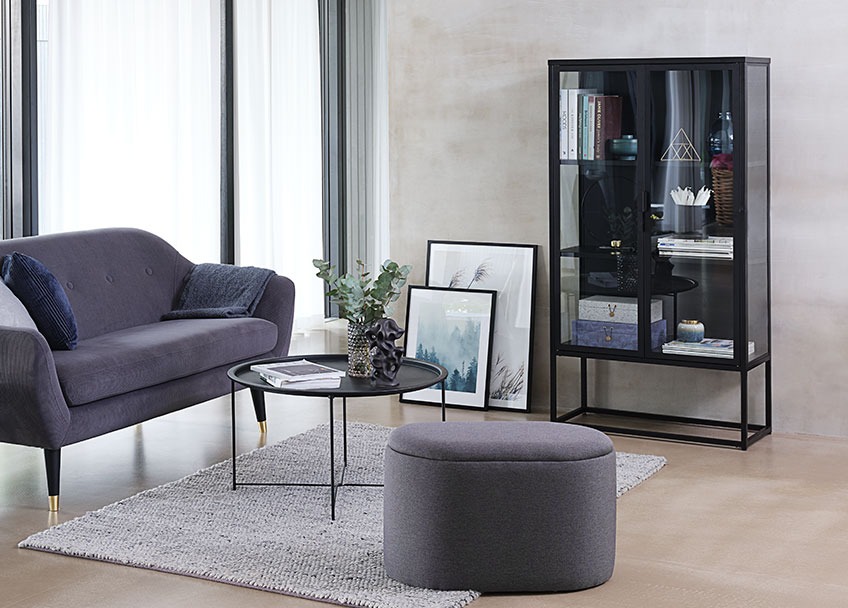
column 690, row 330
column 624, row 147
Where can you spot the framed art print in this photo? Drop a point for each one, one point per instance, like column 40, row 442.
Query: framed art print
column 511, row 271
column 453, row 328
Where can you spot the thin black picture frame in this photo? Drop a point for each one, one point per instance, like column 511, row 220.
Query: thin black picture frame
column 470, row 304
column 509, row 339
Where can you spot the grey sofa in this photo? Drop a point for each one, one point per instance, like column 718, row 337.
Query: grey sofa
column 128, row 366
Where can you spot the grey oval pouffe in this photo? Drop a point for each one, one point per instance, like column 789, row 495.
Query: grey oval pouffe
column 499, row 506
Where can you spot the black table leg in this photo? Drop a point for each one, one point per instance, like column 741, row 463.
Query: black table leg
column 443, row 400
column 233, row 425
column 332, row 466
column 344, row 427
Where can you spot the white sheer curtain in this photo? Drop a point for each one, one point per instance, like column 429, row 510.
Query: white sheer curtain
column 130, row 120
column 278, row 126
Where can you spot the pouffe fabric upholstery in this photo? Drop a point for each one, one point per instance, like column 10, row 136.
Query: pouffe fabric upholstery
column 499, row 506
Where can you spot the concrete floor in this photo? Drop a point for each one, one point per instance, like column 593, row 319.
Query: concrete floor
column 715, row 528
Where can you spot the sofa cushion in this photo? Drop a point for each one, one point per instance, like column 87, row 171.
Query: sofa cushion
column 12, row 312
column 43, row 296
column 138, row 357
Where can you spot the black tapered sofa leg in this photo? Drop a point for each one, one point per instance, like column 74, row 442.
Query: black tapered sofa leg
column 259, row 407
column 52, row 461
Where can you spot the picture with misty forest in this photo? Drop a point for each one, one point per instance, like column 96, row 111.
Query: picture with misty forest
column 455, row 350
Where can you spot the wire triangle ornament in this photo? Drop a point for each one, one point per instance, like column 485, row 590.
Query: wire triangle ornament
column 681, row 149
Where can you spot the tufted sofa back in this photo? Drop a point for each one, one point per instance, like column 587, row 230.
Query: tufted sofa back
column 114, row 277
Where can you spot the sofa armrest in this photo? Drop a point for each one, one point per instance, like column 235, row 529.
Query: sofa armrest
column 32, row 409
column 277, row 306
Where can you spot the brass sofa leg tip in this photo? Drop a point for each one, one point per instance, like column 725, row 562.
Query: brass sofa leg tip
column 263, row 426
column 54, row 503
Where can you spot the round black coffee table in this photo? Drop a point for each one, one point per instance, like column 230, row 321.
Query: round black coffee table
column 413, row 375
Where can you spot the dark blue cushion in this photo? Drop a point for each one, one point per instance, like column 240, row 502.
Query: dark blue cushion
column 44, row 299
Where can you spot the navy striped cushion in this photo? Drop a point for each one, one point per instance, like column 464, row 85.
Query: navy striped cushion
column 44, row 299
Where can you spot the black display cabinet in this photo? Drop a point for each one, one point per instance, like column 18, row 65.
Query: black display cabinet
column 659, row 231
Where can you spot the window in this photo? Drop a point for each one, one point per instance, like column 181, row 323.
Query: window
column 133, row 127
column 129, row 119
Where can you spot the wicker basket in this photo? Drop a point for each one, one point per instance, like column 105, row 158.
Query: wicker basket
column 723, row 195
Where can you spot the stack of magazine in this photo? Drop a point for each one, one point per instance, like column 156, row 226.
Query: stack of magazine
column 710, row 247
column 708, row 347
column 300, row 375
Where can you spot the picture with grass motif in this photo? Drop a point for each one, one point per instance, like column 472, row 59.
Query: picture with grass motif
column 452, row 328
column 509, row 270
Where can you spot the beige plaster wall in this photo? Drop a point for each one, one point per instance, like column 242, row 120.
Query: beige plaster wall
column 468, row 146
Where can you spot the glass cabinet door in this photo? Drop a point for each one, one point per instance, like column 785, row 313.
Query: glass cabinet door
column 691, row 209
column 598, row 209
column 756, row 198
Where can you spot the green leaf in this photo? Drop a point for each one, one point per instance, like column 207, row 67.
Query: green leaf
column 359, row 298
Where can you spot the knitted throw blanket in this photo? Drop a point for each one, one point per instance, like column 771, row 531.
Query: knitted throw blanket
column 221, row 291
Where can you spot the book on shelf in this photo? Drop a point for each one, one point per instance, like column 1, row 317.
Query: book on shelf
column 583, row 122
column 296, row 371
column 607, row 123
column 590, row 127
column 330, row 382
column 587, row 121
column 714, row 240
column 679, row 253
column 563, row 124
column 708, row 347
column 710, row 247
column 574, row 112
column 710, row 241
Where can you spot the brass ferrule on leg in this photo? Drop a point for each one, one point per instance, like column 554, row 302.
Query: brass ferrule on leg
column 54, row 503
column 263, row 426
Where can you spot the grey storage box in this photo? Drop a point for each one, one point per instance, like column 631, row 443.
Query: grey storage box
column 624, row 336
column 615, row 309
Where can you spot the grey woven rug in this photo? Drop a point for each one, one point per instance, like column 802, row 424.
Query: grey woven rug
column 273, row 538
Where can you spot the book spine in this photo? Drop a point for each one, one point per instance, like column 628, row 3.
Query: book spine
column 709, row 244
column 573, row 96
column 600, row 110
column 718, row 240
column 583, row 115
column 725, row 255
column 608, row 124
column 695, row 246
column 590, row 128
column 563, row 124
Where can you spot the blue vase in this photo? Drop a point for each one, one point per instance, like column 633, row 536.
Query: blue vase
column 690, row 330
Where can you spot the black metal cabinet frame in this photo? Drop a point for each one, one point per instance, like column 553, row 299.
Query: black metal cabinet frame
column 745, row 276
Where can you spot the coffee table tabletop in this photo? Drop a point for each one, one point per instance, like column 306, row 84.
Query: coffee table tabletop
column 413, row 375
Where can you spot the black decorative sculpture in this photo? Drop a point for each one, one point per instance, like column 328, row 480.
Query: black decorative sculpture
column 385, row 356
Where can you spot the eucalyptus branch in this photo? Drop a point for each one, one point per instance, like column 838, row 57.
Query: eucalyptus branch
column 361, row 299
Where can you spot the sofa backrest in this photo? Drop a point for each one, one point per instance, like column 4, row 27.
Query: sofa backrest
column 114, row 277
